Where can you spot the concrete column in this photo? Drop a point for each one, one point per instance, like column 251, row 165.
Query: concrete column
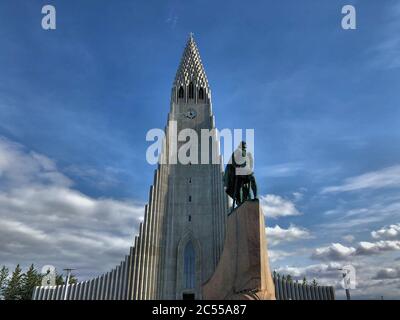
column 92, row 289
column 130, row 274
column 317, row 293
column 312, row 289
column 292, row 291
column 117, row 283
column 300, row 291
column 124, row 278
column 78, row 291
column 148, row 245
column 324, row 293
column 280, row 286
column 296, row 291
column 135, row 275
column 97, row 289
column 50, row 294
column 83, row 290
column 156, row 232
column 284, row 292
column 101, row 284
column 303, row 291
column 151, row 237
column 58, row 293
column 34, row 293
column 71, row 292
column 332, row 293
column 46, row 293
column 107, row 282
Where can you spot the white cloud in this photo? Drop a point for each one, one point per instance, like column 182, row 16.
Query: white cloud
column 275, row 255
column 339, row 252
column 388, row 273
column 44, row 220
column 277, row 234
column 387, row 177
column 335, row 252
column 318, row 271
column 368, row 248
column 390, row 232
column 275, row 206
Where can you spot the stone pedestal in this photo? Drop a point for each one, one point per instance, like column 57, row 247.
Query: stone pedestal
column 243, row 271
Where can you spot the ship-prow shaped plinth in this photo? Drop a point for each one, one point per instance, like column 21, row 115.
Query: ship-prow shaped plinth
column 243, row 271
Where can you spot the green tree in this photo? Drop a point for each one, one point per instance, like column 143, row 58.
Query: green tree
column 13, row 291
column 60, row 279
column 289, row 278
column 31, row 279
column 3, row 281
column 314, row 283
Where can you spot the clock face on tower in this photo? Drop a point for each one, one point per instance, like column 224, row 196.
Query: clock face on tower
column 191, row 114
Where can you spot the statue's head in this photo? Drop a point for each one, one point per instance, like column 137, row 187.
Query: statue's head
column 242, row 145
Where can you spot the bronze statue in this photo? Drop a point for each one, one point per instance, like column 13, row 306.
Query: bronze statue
column 239, row 176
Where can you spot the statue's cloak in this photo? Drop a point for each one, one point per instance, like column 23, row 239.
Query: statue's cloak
column 229, row 180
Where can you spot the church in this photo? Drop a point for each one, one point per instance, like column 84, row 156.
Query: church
column 186, row 247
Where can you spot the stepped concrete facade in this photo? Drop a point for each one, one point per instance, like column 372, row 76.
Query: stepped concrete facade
column 181, row 237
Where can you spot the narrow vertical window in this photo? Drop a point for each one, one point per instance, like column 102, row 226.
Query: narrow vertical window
column 190, row 198
column 201, row 94
column 191, row 90
column 181, row 93
column 189, row 266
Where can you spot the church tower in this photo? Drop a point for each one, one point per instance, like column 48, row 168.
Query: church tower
column 194, row 218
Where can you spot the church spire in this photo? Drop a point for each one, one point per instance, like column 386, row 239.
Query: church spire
column 191, row 69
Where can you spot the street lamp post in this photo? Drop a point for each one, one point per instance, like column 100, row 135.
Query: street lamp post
column 68, row 270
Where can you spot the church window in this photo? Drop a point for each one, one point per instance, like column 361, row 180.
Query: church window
column 191, row 90
column 181, row 93
column 190, row 198
column 201, row 94
column 189, row 266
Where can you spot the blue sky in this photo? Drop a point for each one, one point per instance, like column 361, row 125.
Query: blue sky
column 324, row 102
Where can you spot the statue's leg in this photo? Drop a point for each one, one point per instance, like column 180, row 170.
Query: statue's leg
column 240, row 190
column 246, row 191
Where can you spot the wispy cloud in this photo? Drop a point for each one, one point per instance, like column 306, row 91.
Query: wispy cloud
column 387, row 177
column 281, row 170
column 386, row 54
